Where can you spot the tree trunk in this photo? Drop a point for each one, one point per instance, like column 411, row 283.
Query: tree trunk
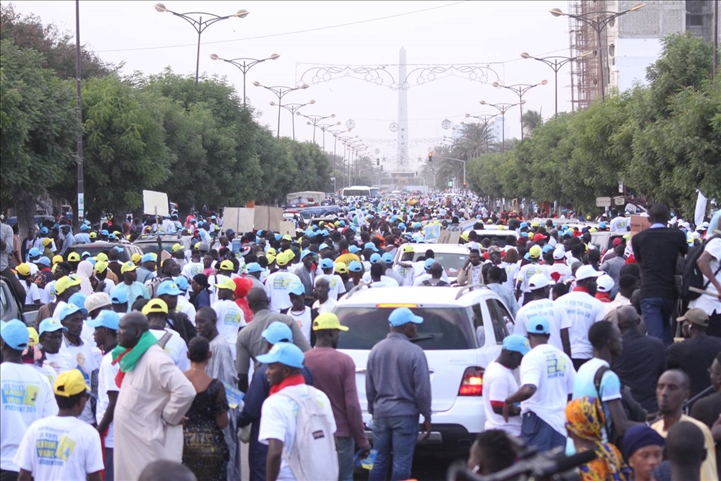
column 25, row 204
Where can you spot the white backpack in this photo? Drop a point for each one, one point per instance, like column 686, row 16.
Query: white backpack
column 314, row 456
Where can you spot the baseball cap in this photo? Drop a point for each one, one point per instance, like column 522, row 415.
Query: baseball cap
column 326, row 263
column 155, row 305
column 33, row 337
column 403, row 315
column 517, row 343
column 100, row 266
column 65, row 282
column 182, row 283
column 43, row 230
column 70, row 383
column 43, row 261
column 428, row 263
column 605, row 283
column 47, row 241
column 119, row 295
column 328, row 321
column 538, row 325
column 370, row 245
column 283, row 259
column 96, row 300
column 558, row 254
column 353, row 249
column 136, row 257
column 226, row 284
column 388, row 258
column 407, row 248
column 107, row 319
column 535, row 252
column 23, row 269
column 538, row 237
column 284, row 353
column 355, row 266
column 84, row 255
column 340, row 268
column 176, row 248
column 296, row 288
column 149, row 257
column 15, row 334
column 287, row 237
column 617, row 242
column 169, row 288
column 305, row 254
column 587, row 272
column 254, row 267
column 50, row 325
column 696, row 316
column 227, row 265
column 277, row 332
column 69, row 310
column 35, row 252
column 73, row 257
column 323, row 246
column 128, row 267
column 375, row 258
column 93, row 235
column 538, row 281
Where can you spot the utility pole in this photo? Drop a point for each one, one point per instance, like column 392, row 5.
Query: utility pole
column 80, row 214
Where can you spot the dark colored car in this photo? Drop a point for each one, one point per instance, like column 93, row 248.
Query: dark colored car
column 95, row 248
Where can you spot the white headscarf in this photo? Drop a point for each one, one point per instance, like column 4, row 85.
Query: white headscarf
column 85, row 270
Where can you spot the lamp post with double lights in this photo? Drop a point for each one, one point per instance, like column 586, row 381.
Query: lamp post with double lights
column 485, row 120
column 244, row 64
column 200, row 25
column 314, row 120
column 336, row 133
column 293, row 108
column 503, row 107
column 324, row 128
column 520, row 90
column 556, row 63
column 598, row 21
column 280, row 92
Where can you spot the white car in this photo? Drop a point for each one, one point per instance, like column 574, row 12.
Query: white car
column 451, row 256
column 462, row 332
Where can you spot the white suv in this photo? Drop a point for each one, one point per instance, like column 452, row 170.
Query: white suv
column 462, row 332
column 451, row 256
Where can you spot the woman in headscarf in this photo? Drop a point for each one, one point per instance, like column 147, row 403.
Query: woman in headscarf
column 85, row 272
column 242, row 287
column 584, row 423
column 200, row 295
column 643, row 449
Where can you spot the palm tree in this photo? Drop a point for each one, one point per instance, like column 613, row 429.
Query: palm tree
column 474, row 141
column 530, row 120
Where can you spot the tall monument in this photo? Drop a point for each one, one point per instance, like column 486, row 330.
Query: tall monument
column 403, row 157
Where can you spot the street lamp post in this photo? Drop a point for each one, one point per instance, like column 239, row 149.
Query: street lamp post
column 520, row 90
column 598, row 24
column 244, row 64
column 293, row 108
column 200, row 25
column 502, row 107
column 485, row 120
column 280, row 92
column 314, row 120
column 324, row 127
column 556, row 63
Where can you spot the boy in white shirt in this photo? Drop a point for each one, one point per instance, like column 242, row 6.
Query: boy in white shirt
column 230, row 317
column 62, row 447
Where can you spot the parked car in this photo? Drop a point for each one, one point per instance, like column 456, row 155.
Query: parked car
column 12, row 308
column 462, row 332
column 149, row 242
column 95, row 248
column 451, row 256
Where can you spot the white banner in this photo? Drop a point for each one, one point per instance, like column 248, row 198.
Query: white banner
column 701, row 202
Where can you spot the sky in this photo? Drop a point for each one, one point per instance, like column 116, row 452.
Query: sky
column 309, row 34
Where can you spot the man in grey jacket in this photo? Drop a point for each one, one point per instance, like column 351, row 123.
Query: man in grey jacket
column 398, row 388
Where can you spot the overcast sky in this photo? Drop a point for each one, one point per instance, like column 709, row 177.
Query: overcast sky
column 434, row 33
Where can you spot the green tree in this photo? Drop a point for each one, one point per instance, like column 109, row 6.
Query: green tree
column 38, row 129
column 530, row 121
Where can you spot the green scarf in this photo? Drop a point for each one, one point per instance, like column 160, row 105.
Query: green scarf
column 128, row 358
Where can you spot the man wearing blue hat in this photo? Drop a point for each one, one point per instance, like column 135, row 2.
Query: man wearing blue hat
column 336, row 288
column 306, row 274
column 287, row 413
column 258, row 392
column 106, row 332
column 254, row 272
column 27, row 394
column 499, row 383
column 398, row 389
column 547, row 377
column 146, row 271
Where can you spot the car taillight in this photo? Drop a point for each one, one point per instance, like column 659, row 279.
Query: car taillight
column 472, row 383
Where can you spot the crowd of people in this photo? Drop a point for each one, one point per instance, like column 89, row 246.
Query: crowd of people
column 178, row 358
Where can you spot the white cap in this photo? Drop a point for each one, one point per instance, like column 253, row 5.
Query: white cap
column 538, row 281
column 605, row 283
column 558, row 254
column 587, row 272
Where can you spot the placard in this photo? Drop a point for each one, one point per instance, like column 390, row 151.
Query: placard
column 449, row 237
column 432, row 232
column 639, row 223
column 268, row 218
column 155, row 203
column 239, row 219
column 287, row 227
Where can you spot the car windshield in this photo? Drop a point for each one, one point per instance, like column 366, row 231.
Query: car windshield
column 451, row 262
column 147, row 247
column 94, row 250
column 445, row 328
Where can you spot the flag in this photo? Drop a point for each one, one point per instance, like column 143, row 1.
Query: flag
column 701, row 202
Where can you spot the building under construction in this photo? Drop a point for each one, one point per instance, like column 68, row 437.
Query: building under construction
column 629, row 43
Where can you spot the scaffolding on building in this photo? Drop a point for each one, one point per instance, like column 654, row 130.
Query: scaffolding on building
column 585, row 71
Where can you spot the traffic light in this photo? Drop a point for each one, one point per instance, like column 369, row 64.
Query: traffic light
column 378, row 161
column 430, row 156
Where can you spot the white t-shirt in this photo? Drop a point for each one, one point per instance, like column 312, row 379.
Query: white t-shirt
column 230, row 320
column 708, row 303
column 556, row 316
column 328, row 306
column 60, row 448
column 32, row 293
column 26, row 397
column 276, row 288
column 84, row 360
column 106, row 383
column 303, row 319
column 406, row 273
column 175, row 347
column 192, row 269
column 50, row 291
column 551, row 371
column 278, row 420
column 528, row 271
column 499, row 383
column 186, row 308
column 584, row 311
column 335, row 285
column 618, row 224
column 559, row 271
column 212, row 281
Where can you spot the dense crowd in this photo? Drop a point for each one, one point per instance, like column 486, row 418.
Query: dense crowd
column 159, row 366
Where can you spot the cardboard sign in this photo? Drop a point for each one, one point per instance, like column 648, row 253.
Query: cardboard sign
column 268, row 218
column 155, row 203
column 639, row 223
column 449, row 237
column 238, row 218
column 287, row 227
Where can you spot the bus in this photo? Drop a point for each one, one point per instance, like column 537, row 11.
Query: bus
column 361, row 191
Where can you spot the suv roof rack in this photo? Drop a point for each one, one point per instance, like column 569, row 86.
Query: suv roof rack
column 466, row 289
column 356, row 289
